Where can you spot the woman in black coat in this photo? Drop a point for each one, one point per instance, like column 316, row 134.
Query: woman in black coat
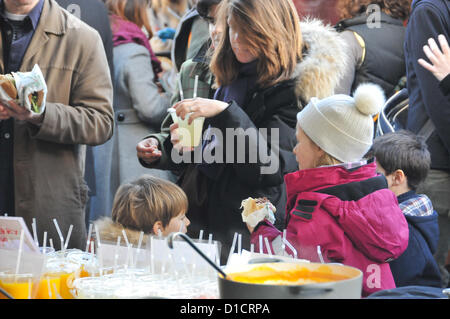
column 250, row 124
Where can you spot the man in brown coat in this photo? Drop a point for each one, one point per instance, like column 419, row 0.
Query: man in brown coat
column 42, row 156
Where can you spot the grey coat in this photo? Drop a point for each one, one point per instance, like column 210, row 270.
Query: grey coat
column 139, row 108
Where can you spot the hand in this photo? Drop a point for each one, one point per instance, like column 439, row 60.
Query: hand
column 175, row 139
column 12, row 109
column 440, row 60
column 199, row 107
column 148, row 151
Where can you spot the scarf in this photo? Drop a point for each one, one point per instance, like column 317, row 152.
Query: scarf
column 127, row 32
column 236, row 91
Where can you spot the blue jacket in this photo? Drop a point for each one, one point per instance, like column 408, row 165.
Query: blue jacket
column 428, row 19
column 417, row 266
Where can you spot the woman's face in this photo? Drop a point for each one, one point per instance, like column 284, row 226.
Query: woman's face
column 306, row 151
column 177, row 224
column 238, row 45
column 215, row 30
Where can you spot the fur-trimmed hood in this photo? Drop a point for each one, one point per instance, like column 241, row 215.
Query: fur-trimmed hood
column 323, row 64
column 110, row 230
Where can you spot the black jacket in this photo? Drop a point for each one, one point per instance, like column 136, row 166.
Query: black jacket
column 273, row 109
column 384, row 62
column 428, row 19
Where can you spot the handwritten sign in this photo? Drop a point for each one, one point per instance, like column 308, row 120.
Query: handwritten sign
column 10, row 229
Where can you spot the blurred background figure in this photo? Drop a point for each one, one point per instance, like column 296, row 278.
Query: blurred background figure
column 164, row 17
column 139, row 102
column 375, row 32
column 325, row 10
column 95, row 14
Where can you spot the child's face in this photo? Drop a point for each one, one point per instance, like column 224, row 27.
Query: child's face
column 178, row 223
column 306, row 152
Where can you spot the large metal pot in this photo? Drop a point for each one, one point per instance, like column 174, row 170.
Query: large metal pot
column 349, row 288
column 343, row 289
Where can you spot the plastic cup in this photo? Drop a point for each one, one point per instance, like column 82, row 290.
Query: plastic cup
column 19, row 286
column 66, row 271
column 190, row 134
column 49, row 287
column 46, row 250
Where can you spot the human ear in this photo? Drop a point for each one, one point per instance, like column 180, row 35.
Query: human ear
column 158, row 227
column 398, row 178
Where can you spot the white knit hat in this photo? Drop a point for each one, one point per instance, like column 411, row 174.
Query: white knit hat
column 341, row 125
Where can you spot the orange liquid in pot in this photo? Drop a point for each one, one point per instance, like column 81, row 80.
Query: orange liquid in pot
column 296, row 276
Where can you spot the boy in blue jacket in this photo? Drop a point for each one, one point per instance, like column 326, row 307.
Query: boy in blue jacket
column 404, row 159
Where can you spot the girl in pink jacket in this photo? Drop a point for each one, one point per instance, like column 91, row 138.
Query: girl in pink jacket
column 335, row 200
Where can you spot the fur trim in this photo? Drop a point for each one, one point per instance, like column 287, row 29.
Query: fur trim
column 110, row 230
column 324, row 63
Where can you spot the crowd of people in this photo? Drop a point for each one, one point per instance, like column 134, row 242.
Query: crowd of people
column 300, row 96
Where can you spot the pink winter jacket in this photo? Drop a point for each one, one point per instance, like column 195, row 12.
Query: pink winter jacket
column 351, row 214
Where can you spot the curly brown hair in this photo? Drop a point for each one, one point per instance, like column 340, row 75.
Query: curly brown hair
column 397, row 9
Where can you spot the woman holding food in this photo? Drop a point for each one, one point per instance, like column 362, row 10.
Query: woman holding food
column 261, row 78
column 338, row 208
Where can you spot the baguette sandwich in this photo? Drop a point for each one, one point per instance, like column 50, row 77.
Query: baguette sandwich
column 8, row 85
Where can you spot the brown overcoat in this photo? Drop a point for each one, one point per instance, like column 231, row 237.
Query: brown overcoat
column 49, row 159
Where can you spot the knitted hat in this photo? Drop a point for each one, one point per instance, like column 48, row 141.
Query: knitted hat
column 341, row 125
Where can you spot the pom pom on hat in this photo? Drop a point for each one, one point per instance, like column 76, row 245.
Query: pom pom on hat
column 341, row 125
column 369, row 98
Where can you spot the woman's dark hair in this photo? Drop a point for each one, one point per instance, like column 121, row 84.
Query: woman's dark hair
column 397, row 9
column 203, row 6
column 403, row 150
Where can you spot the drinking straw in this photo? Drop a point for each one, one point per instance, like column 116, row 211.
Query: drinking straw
column 252, row 248
column 69, row 233
column 195, row 86
column 128, row 247
column 210, row 238
column 283, row 244
column 268, row 246
column 92, row 248
column 33, row 225
column 319, row 252
column 200, row 236
column 19, row 253
column 159, row 233
column 51, row 243
column 232, row 247
column 240, row 244
column 61, row 238
column 49, row 288
column 45, row 242
column 180, row 88
column 88, row 237
column 58, row 296
column 97, row 232
column 138, row 251
column 261, row 249
column 116, row 253
column 291, row 248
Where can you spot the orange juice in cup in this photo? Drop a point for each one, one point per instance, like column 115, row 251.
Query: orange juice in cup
column 19, row 286
column 49, row 287
column 66, row 271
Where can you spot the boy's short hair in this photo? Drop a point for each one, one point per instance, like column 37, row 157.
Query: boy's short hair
column 139, row 204
column 403, row 150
